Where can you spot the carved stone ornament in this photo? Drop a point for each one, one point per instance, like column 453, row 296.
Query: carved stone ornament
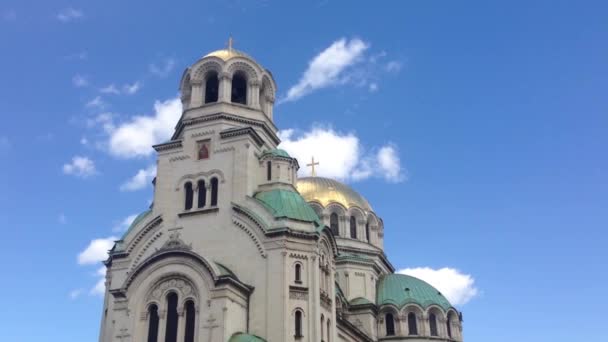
column 180, row 285
column 175, row 243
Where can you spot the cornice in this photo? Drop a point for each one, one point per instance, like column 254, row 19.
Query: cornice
column 235, row 132
column 170, row 145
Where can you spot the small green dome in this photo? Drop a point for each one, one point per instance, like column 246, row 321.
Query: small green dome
column 401, row 289
column 287, row 204
column 277, row 152
column 239, row 337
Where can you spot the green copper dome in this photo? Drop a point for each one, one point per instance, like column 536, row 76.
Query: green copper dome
column 401, row 289
column 277, row 152
column 239, row 337
column 287, row 204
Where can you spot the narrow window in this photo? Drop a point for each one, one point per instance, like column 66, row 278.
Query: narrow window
column 212, row 88
column 268, row 170
column 171, row 332
column 189, row 195
column 449, row 325
column 390, row 325
column 322, row 326
column 411, row 324
column 153, row 323
column 214, row 191
column 333, row 224
column 433, row 324
column 298, row 271
column 239, row 88
column 190, row 320
column 367, row 231
column 298, row 324
column 202, row 194
column 328, row 331
column 353, row 227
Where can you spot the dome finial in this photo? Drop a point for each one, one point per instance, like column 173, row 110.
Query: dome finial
column 230, row 42
column 312, row 165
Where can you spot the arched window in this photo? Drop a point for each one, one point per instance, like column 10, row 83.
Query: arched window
column 153, row 323
column 367, row 232
column 390, row 324
column 328, row 331
column 298, row 324
column 298, row 273
column 268, row 170
column 322, row 326
column 353, row 227
column 202, row 194
column 433, row 324
column 189, row 195
column 214, row 184
column 449, row 324
column 171, row 331
column 333, row 224
column 239, row 88
column 412, row 326
column 212, row 85
column 190, row 321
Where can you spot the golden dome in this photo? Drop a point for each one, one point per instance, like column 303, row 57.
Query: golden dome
column 326, row 191
column 226, row 54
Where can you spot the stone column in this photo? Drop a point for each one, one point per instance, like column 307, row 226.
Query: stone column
column 162, row 325
column 269, row 106
column 225, row 87
column 196, row 97
column 253, row 100
column 181, row 324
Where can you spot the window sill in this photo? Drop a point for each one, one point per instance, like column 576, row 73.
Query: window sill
column 200, row 211
column 299, row 282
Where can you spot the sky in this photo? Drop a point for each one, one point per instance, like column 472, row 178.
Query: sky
column 476, row 130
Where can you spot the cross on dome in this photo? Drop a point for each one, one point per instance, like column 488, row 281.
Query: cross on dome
column 312, row 165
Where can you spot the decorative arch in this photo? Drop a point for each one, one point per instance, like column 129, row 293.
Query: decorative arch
column 200, row 71
column 243, row 65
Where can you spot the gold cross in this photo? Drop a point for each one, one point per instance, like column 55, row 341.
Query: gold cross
column 312, row 164
column 230, row 41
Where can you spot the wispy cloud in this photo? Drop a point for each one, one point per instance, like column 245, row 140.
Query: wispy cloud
column 9, row 15
column 328, row 68
column 80, row 81
column 97, row 102
column 96, row 251
column 78, row 56
column 69, row 14
column 342, row 155
column 393, row 66
column 124, row 224
column 80, row 166
column 62, row 219
column 459, row 288
column 162, row 69
column 127, row 89
column 74, row 294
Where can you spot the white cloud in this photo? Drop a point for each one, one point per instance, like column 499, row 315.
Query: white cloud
column 164, row 69
column 125, row 223
column 80, row 81
column 69, row 14
column 459, row 288
column 136, row 137
column 110, row 89
column 84, row 141
column 142, row 178
column 131, row 89
column 97, row 102
column 96, row 251
column 80, row 166
column 341, row 155
column 74, row 294
column 393, row 67
column 373, row 87
column 327, row 68
column 62, row 219
column 100, row 286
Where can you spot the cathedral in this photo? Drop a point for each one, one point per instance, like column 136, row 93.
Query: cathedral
column 236, row 247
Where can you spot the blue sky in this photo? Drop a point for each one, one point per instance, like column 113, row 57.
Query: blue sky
column 476, row 129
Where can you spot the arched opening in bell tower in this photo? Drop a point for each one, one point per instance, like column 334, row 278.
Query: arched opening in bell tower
column 239, row 88
column 212, row 85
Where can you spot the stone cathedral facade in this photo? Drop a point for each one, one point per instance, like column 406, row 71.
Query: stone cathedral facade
column 236, row 247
